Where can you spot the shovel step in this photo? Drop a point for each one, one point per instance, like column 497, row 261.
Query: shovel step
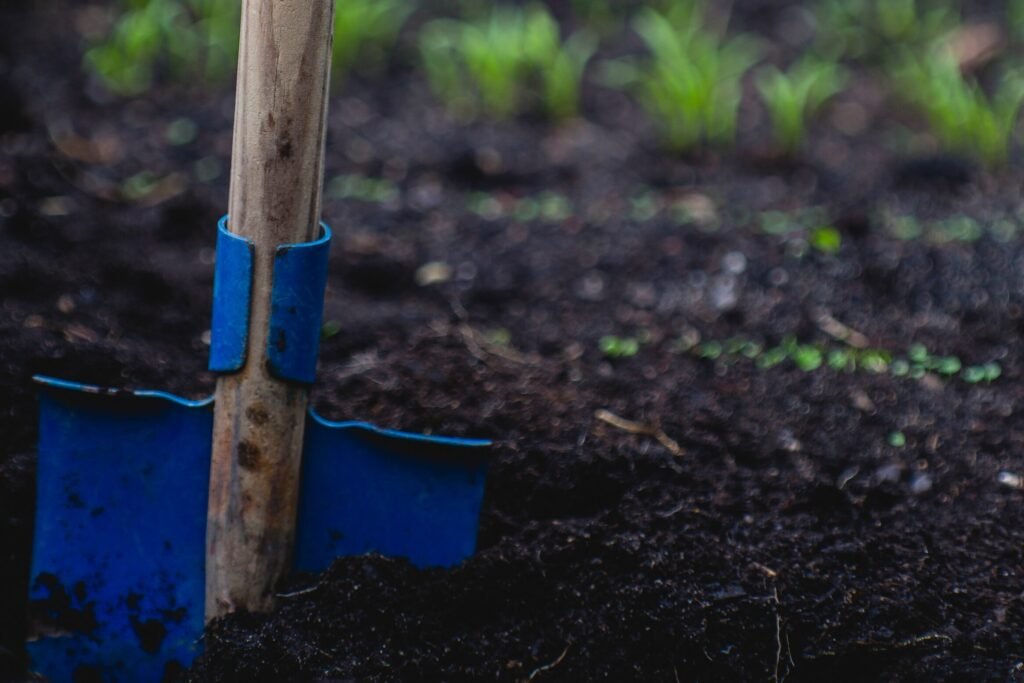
column 117, row 571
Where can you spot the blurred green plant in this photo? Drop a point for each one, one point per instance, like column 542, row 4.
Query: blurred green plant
column 826, row 239
column 178, row 40
column 365, row 30
column 358, row 186
column 867, row 30
column 961, row 115
column 503, row 55
column 619, row 347
column 181, row 39
column 1015, row 18
column 690, row 84
column 917, row 362
column 897, row 439
column 793, row 97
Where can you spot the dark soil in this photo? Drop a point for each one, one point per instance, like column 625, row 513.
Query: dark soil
column 788, row 541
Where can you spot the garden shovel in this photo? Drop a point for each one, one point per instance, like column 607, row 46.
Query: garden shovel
column 138, row 491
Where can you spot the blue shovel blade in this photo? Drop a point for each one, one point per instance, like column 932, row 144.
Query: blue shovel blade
column 117, row 579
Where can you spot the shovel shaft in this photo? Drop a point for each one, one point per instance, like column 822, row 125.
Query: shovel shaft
column 276, row 181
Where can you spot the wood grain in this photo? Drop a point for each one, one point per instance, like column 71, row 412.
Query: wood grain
column 275, row 196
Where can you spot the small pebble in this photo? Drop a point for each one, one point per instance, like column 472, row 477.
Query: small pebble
column 845, row 476
column 1010, row 479
column 723, row 293
column 734, row 262
column 591, row 286
column 920, row 483
column 889, row 474
column 432, row 273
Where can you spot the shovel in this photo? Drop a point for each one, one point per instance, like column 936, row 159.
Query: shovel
column 156, row 514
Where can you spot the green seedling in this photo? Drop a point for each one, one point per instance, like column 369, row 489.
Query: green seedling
column 1015, row 18
column 184, row 40
column 874, row 360
column 785, row 224
column 554, row 207
column 812, row 357
column 955, row 228
column 988, row 372
column 551, row 207
column 181, row 131
column 711, row 350
column 899, row 368
column 139, row 186
column 841, row 360
column 619, row 347
column 690, row 84
column 778, row 223
column 504, row 56
column 826, row 239
column 897, row 439
column 961, row 115
column 330, row 328
column 358, row 186
column 793, row 97
column 807, row 358
column 207, row 169
column 958, row 228
column 644, row 205
column 486, row 206
column 364, row 31
column 172, row 38
column 868, row 30
column 772, row 357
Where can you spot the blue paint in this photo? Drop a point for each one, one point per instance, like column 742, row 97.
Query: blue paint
column 296, row 305
column 120, row 527
column 366, row 489
column 122, row 491
column 296, row 308
column 232, row 289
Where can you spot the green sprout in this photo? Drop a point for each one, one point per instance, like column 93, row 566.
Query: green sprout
column 794, row 96
column 841, row 359
column 179, row 39
column 868, row 29
column 826, row 239
column 330, row 328
column 181, row 131
column 619, row 347
column 690, row 84
column 875, row 360
column 988, row 372
column 807, row 358
column 503, row 55
column 358, row 186
column 1015, row 18
column 711, row 350
column 897, row 439
column 364, row 30
column 182, row 40
column 961, row 115
column 845, row 358
column 954, row 228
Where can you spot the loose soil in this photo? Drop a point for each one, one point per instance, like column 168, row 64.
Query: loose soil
column 788, row 541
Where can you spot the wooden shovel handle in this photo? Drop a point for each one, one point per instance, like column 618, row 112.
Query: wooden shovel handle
column 276, row 181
